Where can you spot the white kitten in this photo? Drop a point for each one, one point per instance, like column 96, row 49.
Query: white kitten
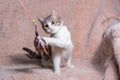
column 60, row 40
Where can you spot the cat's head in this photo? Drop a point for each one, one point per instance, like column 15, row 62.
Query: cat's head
column 52, row 23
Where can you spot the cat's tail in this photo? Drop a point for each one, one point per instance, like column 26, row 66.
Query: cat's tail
column 33, row 54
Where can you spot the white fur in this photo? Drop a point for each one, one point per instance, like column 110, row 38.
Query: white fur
column 61, row 47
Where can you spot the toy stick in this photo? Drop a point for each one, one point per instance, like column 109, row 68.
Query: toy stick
column 30, row 16
column 35, row 24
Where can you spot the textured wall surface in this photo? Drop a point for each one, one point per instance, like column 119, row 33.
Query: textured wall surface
column 83, row 17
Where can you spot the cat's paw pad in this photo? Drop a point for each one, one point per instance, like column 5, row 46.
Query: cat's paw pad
column 57, row 72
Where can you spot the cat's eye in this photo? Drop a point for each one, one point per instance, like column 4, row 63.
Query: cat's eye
column 46, row 25
column 52, row 22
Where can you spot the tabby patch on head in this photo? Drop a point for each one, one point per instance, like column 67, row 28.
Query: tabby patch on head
column 52, row 23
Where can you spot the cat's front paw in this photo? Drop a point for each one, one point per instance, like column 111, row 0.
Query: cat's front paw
column 38, row 37
column 46, row 39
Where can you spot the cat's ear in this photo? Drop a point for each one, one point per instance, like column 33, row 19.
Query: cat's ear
column 54, row 14
column 41, row 20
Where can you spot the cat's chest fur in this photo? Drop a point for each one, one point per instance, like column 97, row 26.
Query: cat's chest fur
column 63, row 35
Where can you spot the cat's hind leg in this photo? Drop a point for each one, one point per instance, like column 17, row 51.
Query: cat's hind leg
column 68, row 62
column 68, row 59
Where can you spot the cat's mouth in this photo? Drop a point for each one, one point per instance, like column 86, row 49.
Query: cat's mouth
column 49, row 31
